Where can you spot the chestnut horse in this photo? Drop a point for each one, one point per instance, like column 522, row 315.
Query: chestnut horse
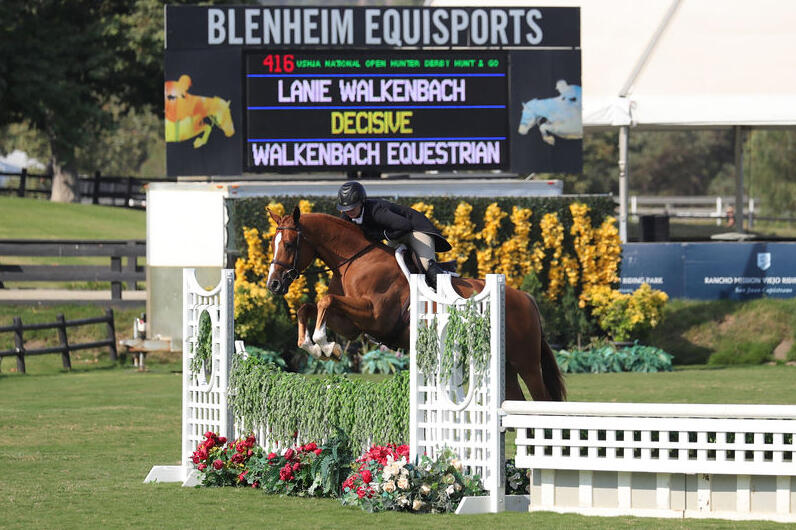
column 368, row 294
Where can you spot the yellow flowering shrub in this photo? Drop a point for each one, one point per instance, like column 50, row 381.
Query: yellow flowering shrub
column 514, row 259
column 487, row 255
column 627, row 316
column 460, row 234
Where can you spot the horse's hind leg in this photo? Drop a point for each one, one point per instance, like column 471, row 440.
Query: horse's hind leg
column 530, row 369
column 303, row 315
column 346, row 307
column 513, row 389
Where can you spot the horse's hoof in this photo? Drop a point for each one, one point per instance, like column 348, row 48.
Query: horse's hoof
column 329, row 349
column 337, row 352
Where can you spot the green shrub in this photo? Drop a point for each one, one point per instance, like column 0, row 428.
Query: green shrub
column 381, row 361
column 267, row 356
column 288, row 403
column 743, row 352
column 563, row 321
column 261, row 320
column 603, row 358
column 317, row 366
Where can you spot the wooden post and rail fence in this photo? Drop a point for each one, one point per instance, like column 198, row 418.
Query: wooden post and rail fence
column 119, row 272
column 20, row 351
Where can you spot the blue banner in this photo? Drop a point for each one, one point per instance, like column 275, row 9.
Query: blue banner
column 711, row 271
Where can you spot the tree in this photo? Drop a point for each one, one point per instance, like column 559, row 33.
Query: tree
column 64, row 66
column 771, row 170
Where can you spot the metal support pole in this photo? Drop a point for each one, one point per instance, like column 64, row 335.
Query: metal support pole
column 739, row 216
column 624, row 170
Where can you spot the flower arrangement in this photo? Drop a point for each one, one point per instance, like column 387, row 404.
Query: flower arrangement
column 385, row 480
column 223, row 463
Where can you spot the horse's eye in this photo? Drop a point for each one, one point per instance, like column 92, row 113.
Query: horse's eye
column 573, row 99
column 171, row 96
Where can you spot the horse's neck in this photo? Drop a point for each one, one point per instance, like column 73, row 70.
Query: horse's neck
column 334, row 240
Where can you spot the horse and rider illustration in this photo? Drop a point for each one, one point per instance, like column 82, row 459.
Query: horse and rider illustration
column 369, row 290
column 189, row 116
column 557, row 116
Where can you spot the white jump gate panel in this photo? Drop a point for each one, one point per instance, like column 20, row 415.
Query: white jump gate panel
column 660, row 460
column 443, row 415
column 204, row 394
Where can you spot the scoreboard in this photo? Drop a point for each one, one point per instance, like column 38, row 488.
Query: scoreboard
column 382, row 109
column 281, row 89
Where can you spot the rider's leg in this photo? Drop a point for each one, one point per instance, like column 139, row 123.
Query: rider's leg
column 423, row 245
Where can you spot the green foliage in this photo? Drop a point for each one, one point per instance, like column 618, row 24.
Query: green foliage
column 518, row 481
column 290, row 403
column 466, row 342
column 203, row 350
column 771, row 158
column 743, row 352
column 263, row 320
column 267, row 356
column 604, row 358
column 318, row 366
column 563, row 321
column 427, row 347
column 383, row 361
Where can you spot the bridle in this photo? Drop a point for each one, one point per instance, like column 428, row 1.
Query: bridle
column 291, row 270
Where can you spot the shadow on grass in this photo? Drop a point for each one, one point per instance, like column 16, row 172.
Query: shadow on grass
column 679, row 318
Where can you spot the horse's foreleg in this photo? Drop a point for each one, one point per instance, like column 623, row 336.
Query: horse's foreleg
column 344, row 306
column 201, row 140
column 304, row 313
column 547, row 136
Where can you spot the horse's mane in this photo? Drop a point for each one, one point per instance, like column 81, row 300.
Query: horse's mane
column 348, row 228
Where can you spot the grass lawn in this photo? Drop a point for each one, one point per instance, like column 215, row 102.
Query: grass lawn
column 76, row 448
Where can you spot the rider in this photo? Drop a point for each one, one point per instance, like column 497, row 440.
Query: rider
column 380, row 219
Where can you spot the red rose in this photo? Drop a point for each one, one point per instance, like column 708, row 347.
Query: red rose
column 237, row 458
column 201, row 467
column 366, row 476
column 318, row 451
column 209, row 434
column 242, row 476
column 241, row 447
column 195, row 459
column 348, row 483
column 222, row 440
column 249, row 452
column 296, row 466
column 209, row 443
column 310, row 446
column 202, row 453
column 361, row 492
column 271, row 456
column 217, row 464
column 250, row 441
column 289, row 454
column 255, row 485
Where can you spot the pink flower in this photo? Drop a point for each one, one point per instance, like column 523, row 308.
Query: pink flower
column 242, row 476
column 289, row 454
column 271, row 456
column 249, row 452
column 217, row 464
column 318, row 451
column 255, row 484
column 296, row 466
column 367, row 476
column 201, row 467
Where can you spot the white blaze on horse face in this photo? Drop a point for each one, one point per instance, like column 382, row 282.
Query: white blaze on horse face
column 277, row 240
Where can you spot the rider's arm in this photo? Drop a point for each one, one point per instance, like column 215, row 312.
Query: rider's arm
column 395, row 226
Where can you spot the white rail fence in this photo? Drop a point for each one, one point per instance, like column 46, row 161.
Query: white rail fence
column 661, row 460
column 712, row 207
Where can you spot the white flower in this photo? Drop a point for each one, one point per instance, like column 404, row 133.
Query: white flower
column 457, row 486
column 403, row 483
column 449, row 490
column 457, row 464
column 448, row 479
column 418, row 504
column 387, row 475
column 425, row 489
column 389, row 487
column 403, row 500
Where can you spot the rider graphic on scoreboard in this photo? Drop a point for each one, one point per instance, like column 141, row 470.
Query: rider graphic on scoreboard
column 380, row 219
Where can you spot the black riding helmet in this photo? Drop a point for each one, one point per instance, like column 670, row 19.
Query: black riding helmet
column 350, row 195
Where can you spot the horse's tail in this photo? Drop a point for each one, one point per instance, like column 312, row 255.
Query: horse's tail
column 551, row 374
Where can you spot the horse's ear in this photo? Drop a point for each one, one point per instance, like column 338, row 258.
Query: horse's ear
column 296, row 215
column 273, row 215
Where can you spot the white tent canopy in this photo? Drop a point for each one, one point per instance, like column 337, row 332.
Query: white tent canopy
column 678, row 64
column 683, row 63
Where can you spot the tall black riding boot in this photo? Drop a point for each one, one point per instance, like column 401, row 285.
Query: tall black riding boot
column 431, row 273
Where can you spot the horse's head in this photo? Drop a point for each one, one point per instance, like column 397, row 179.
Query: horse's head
column 529, row 116
column 292, row 253
column 223, row 118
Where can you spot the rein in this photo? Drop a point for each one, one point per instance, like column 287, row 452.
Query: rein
column 291, row 272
